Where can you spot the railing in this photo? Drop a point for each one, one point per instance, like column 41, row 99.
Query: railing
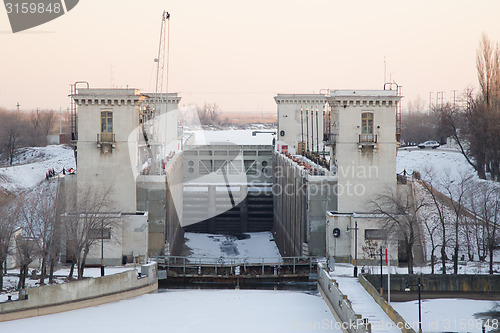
column 186, row 263
column 367, row 138
column 105, row 138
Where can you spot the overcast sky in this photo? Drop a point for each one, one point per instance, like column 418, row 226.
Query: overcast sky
column 239, row 54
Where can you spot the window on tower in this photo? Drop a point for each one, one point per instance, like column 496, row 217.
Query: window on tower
column 367, row 127
column 106, row 126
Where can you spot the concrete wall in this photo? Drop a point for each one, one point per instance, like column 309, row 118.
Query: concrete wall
column 343, row 248
column 111, row 248
column 339, row 304
column 174, row 234
column 152, row 197
column 444, row 283
column 129, row 237
column 387, row 308
column 135, row 235
column 289, row 119
column 301, row 201
column 78, row 294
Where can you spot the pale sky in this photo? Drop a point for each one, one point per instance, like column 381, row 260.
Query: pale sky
column 239, row 54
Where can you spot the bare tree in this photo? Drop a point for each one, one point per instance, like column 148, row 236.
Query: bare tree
column 432, row 229
column 470, row 227
column 26, row 253
column 208, row 114
column 400, row 208
column 476, row 127
column 457, row 193
column 47, row 120
column 12, row 135
column 38, row 213
column 488, row 70
column 7, row 226
column 418, row 123
column 486, row 206
column 87, row 225
column 440, row 207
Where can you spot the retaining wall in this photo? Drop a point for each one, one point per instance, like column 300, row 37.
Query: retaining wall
column 339, row 304
column 387, row 308
column 445, row 283
column 80, row 294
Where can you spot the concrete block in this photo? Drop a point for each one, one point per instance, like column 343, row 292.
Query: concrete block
column 157, row 194
column 156, row 208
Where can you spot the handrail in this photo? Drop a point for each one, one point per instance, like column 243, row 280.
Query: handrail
column 367, row 138
column 234, row 261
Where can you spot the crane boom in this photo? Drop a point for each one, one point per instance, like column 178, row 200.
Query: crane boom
column 160, row 60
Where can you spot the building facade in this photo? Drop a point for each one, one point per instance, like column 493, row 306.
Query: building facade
column 121, row 135
column 359, row 133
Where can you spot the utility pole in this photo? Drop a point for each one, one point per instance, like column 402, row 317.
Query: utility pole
column 388, row 260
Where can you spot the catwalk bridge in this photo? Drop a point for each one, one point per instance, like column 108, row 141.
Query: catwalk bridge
column 174, row 270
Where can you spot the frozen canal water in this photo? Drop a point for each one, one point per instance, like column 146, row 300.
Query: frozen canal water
column 192, row 311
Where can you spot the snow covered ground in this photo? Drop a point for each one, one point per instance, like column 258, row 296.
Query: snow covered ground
column 449, row 315
column 31, row 165
column 446, row 169
column 438, row 160
column 193, row 311
column 254, row 247
column 442, row 167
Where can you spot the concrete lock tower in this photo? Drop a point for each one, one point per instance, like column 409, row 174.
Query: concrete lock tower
column 346, row 161
column 123, row 135
column 363, row 137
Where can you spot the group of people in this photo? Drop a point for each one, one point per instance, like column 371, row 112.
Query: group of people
column 52, row 173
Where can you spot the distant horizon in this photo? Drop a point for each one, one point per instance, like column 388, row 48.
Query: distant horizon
column 241, row 54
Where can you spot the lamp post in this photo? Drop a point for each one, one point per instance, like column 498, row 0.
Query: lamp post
column 102, row 248
column 419, row 285
column 355, row 246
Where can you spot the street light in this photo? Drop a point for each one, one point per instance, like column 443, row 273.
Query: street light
column 355, row 246
column 102, row 248
column 407, row 289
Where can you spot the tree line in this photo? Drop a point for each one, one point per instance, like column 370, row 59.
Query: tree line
column 35, row 232
column 20, row 129
column 472, row 121
column 451, row 215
